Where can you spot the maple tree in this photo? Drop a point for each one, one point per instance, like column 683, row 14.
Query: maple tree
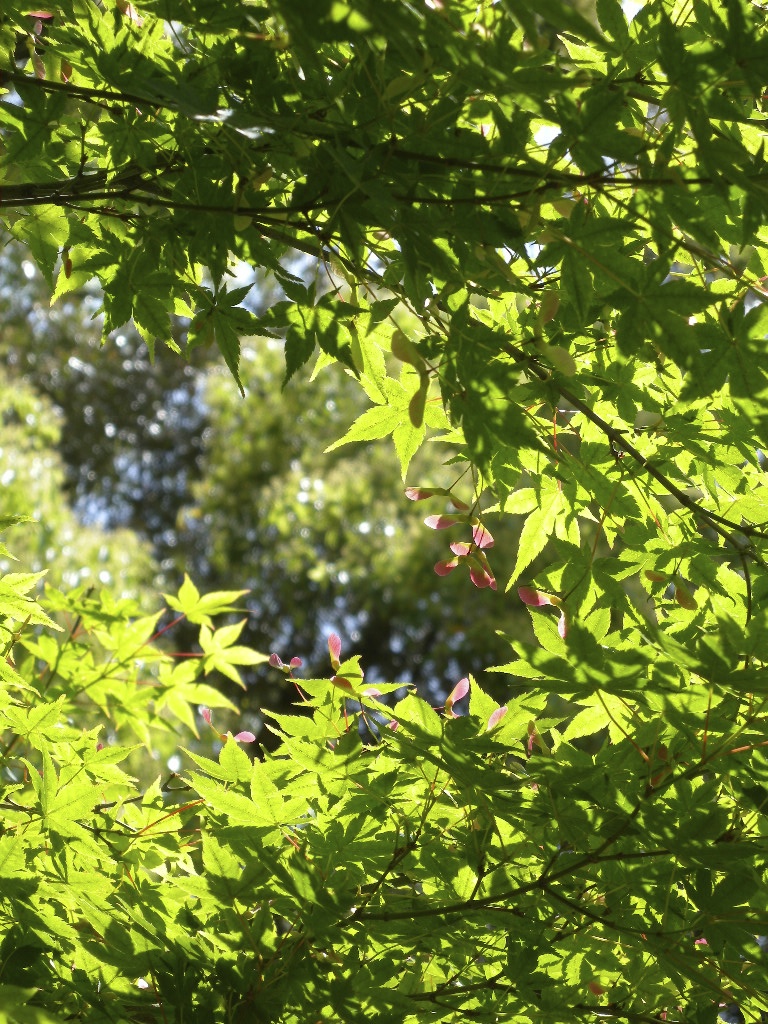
column 544, row 243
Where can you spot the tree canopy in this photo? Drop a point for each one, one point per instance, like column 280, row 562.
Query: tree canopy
column 543, row 240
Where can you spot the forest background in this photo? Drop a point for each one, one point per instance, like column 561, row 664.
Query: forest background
column 138, row 473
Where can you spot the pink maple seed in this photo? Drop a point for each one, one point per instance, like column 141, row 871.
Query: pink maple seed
column 480, row 576
column 207, row 717
column 276, row 661
column 495, row 718
column 482, row 537
column 461, row 689
column 562, row 625
column 245, row 737
column 334, row 649
column 444, row 522
column 296, row 663
column 533, row 598
column 422, row 493
column 685, row 598
column 343, row 684
column 460, row 548
column 481, row 557
column 128, row 11
column 443, row 568
column 457, row 503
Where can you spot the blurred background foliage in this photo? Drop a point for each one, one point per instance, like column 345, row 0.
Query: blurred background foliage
column 139, row 473
column 33, row 476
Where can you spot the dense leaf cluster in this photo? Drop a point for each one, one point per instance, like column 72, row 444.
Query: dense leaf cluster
column 545, row 244
column 442, row 869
